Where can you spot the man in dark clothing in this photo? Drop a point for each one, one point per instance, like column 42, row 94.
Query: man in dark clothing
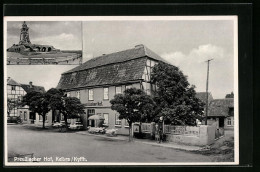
column 160, row 129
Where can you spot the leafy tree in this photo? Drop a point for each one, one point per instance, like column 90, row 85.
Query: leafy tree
column 174, row 97
column 11, row 104
column 133, row 105
column 231, row 95
column 70, row 107
column 38, row 103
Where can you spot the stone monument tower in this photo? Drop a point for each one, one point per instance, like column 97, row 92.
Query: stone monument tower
column 24, row 36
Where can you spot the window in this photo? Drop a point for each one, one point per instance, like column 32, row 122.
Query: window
column 148, row 62
column 105, row 93
column 90, row 94
column 126, row 123
column 91, row 112
column 25, row 116
column 229, row 121
column 106, row 118
column 68, row 94
column 78, row 94
column 118, row 121
column 13, row 87
column 73, row 77
column 119, row 90
column 21, row 114
column 128, row 86
column 19, row 97
column 40, row 118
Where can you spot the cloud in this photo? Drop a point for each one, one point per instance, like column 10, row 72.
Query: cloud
column 194, row 67
column 196, row 55
column 62, row 41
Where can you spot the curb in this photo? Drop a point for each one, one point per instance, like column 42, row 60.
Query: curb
column 148, row 143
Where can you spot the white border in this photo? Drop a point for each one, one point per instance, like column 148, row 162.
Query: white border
column 126, row 18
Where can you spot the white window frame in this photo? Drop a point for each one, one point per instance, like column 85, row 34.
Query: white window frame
column 229, row 122
column 78, row 94
column 126, row 124
column 118, row 92
column 106, row 121
column 129, row 86
column 118, row 122
column 105, row 93
column 90, row 94
column 25, row 116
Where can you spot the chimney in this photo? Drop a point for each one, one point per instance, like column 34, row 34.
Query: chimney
column 139, row 46
column 30, row 83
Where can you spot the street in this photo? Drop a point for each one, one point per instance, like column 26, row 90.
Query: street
column 52, row 143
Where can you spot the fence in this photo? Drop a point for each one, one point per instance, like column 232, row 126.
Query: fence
column 181, row 130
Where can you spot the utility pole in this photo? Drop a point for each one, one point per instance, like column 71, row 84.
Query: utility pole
column 207, row 95
column 81, row 58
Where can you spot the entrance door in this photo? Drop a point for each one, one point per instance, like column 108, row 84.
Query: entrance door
column 221, row 122
column 92, row 123
column 32, row 117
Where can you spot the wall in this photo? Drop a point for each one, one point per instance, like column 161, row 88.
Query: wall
column 206, row 137
column 226, row 123
column 24, row 113
column 105, row 108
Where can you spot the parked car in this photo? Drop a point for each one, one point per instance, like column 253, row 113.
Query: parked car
column 14, row 119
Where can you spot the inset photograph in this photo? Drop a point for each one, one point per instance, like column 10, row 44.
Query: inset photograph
column 44, row 43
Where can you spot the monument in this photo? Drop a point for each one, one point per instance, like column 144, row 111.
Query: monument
column 25, row 44
column 25, row 52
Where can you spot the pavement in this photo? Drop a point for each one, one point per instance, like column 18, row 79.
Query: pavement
column 52, row 144
column 146, row 141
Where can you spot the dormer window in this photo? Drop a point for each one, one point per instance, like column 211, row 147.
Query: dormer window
column 73, row 77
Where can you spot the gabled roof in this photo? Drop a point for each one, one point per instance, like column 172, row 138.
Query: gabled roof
column 10, row 81
column 28, row 88
column 122, row 56
column 203, row 96
column 220, row 107
column 104, row 75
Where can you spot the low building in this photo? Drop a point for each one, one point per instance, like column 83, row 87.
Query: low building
column 222, row 112
column 15, row 93
column 203, row 97
column 219, row 110
column 98, row 80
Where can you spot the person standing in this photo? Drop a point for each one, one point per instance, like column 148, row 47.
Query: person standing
column 160, row 129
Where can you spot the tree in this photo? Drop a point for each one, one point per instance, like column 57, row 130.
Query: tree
column 133, row 105
column 174, row 97
column 231, row 95
column 70, row 107
column 11, row 104
column 38, row 103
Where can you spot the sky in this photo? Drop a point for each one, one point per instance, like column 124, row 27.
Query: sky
column 186, row 44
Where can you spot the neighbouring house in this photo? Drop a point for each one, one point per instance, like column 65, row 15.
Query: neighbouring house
column 203, row 97
column 219, row 110
column 222, row 112
column 98, row 80
column 15, row 93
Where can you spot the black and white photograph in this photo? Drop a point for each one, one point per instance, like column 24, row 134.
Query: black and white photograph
column 44, row 43
column 142, row 90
